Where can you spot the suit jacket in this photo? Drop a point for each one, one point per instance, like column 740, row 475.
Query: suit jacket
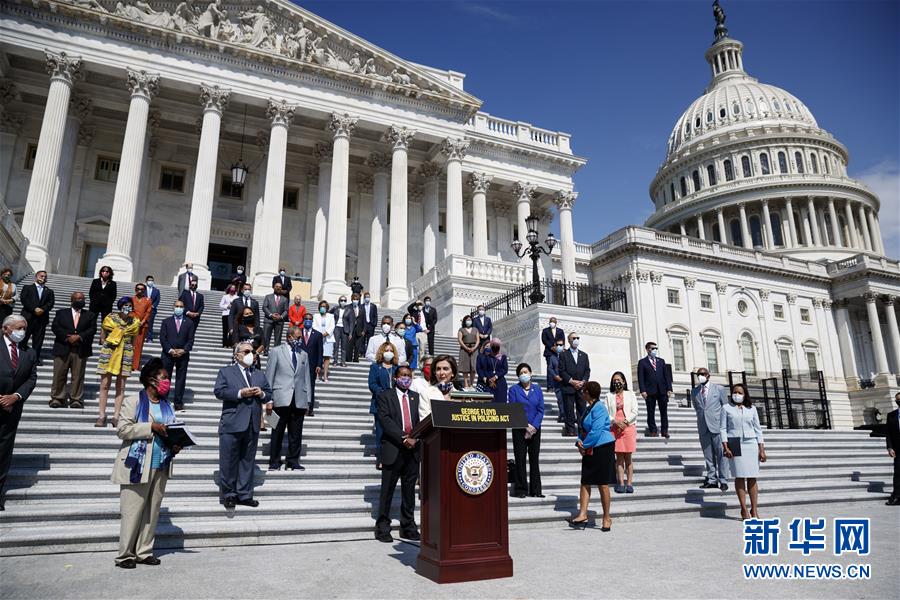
column 484, row 325
column 184, row 282
column 22, row 380
column 63, row 325
column 629, row 406
column 431, row 317
column 656, row 382
column 354, row 325
column 269, row 308
column 709, row 413
column 391, row 417
column 285, row 282
column 740, row 422
column 102, row 299
column 314, row 349
column 190, row 305
column 154, row 297
column 128, row 431
column 549, row 340
column 569, row 369
column 170, row 338
column 413, row 311
column 370, row 317
column 30, row 301
column 240, row 413
column 288, row 385
column 893, row 431
column 237, row 307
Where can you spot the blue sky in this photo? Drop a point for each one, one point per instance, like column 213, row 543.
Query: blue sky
column 617, row 75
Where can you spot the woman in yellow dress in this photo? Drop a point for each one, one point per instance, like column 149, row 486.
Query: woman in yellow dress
column 116, row 356
column 143, row 309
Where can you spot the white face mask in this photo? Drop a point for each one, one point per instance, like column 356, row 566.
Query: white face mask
column 17, row 335
column 240, row 271
column 737, row 398
column 552, row 325
column 388, row 356
column 247, row 359
column 246, row 293
column 386, row 328
column 574, row 343
column 480, row 313
column 701, row 379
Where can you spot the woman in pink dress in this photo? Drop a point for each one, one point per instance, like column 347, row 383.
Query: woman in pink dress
column 622, row 404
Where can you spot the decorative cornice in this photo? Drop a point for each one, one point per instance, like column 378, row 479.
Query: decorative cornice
column 399, row 137
column 379, row 162
column 365, row 182
column 642, row 276
column 870, row 297
column 690, row 283
column 763, row 294
column 721, row 288
column 342, row 125
column 142, row 83
column 565, row 200
column 85, row 135
column 454, row 148
column 280, row 112
column 214, row 98
column 889, row 300
column 11, row 122
column 656, row 277
column 429, row 171
column 792, row 298
column 827, row 303
column 262, row 140
column 323, row 152
column 523, row 191
column 62, row 67
column 81, row 106
column 480, row 182
column 817, row 302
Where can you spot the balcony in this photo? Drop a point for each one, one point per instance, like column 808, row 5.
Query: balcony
column 519, row 131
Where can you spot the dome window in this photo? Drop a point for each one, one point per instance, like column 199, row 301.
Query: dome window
column 776, row 105
column 687, row 128
column 672, row 192
column 683, row 187
column 763, row 106
column 736, row 109
column 787, row 105
column 750, row 108
column 711, row 174
column 764, row 163
column 709, row 116
column 695, row 176
column 745, row 166
column 722, row 113
column 782, row 163
column 755, row 231
column 825, row 165
column 798, row 160
column 775, row 225
column 729, row 170
column 697, row 123
column 814, row 163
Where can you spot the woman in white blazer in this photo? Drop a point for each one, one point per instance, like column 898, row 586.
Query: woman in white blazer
column 323, row 322
column 742, row 442
column 622, row 406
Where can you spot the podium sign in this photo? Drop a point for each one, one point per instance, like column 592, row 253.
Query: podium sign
column 465, row 533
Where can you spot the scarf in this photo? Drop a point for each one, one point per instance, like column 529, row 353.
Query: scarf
column 138, row 451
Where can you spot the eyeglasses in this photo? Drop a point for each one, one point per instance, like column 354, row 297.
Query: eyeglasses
column 576, row 338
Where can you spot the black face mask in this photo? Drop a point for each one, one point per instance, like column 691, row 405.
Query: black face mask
column 78, row 304
column 617, row 385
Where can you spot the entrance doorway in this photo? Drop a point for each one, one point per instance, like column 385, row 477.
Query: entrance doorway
column 92, row 253
column 223, row 260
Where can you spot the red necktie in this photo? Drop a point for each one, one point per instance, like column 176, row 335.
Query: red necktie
column 75, row 316
column 14, row 356
column 306, row 338
column 407, row 419
column 653, row 362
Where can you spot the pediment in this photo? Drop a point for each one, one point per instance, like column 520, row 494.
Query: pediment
column 276, row 31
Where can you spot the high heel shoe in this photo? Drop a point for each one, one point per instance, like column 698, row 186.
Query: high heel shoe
column 744, row 515
column 578, row 524
column 607, row 527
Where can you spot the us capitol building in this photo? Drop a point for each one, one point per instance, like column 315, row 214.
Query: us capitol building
column 146, row 135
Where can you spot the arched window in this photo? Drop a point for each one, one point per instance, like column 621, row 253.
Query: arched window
column 814, row 163
column 825, row 164
column 775, row 224
column 687, row 127
column 798, row 160
column 717, row 235
column 683, row 187
column 722, row 113
column 745, row 165
column 763, row 106
column 729, row 170
column 750, row 107
column 711, row 174
column 755, row 231
column 776, row 105
column 764, row 163
column 737, row 237
column 735, row 109
column 709, row 116
column 672, row 191
column 748, row 353
column 697, row 123
column 695, row 176
column 782, row 163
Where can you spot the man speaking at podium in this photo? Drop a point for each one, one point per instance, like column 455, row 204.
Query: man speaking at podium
column 398, row 411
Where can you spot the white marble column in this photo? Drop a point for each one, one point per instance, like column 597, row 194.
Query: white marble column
column 701, row 227
column 432, row 174
column 852, row 238
column 565, row 201
column 881, row 362
column 875, row 232
column 835, row 225
column 455, row 150
column 845, row 339
column 769, row 240
column 323, row 152
column 69, row 262
column 255, row 194
column 214, row 101
column 723, row 232
column 480, row 183
column 893, row 330
column 64, row 70
column 143, row 87
column 745, row 227
column 864, row 228
column 381, row 164
column 335, row 282
column 813, row 221
column 265, row 266
column 10, row 126
column 682, row 228
column 807, row 229
column 397, row 293
column 791, row 238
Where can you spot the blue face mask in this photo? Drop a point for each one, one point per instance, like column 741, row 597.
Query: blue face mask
column 654, row 353
column 525, row 378
column 307, row 324
column 559, row 349
column 178, row 311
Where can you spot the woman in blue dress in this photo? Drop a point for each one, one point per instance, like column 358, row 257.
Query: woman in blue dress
column 742, row 441
column 381, row 377
column 412, row 328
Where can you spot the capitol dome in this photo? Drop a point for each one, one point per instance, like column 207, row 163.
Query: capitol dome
column 748, row 165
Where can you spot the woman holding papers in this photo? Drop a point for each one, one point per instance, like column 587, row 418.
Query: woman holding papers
column 143, row 465
column 742, row 443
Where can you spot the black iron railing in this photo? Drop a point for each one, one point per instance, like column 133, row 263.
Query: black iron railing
column 787, row 400
column 560, row 293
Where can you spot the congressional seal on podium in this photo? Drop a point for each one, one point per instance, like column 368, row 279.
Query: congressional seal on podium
column 474, row 473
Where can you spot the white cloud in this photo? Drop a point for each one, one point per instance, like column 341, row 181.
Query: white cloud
column 884, row 180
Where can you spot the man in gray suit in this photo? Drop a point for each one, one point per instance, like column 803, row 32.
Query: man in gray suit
column 275, row 309
column 288, row 374
column 708, row 399
column 243, row 390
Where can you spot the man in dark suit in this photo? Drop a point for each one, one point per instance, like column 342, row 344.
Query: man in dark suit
column 184, row 280
column 431, row 318
column 243, row 390
column 398, row 412
column 153, row 294
column 893, row 448
column 655, row 385
column 312, row 342
column 73, row 330
column 18, row 375
column 575, row 371
column 242, row 301
column 370, row 314
column 354, row 330
column 37, row 302
column 176, row 336
column 275, row 313
column 284, row 281
column 484, row 325
column 550, row 336
column 193, row 304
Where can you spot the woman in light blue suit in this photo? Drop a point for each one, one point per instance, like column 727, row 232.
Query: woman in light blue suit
column 596, row 444
column 742, row 444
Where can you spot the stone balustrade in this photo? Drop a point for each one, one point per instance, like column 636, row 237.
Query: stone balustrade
column 519, row 131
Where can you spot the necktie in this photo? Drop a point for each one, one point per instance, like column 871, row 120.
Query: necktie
column 703, row 394
column 193, row 299
column 75, row 316
column 653, row 362
column 306, row 338
column 407, row 419
column 14, row 355
column 178, row 325
column 294, row 358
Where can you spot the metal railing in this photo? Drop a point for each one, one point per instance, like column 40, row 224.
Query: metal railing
column 560, row 293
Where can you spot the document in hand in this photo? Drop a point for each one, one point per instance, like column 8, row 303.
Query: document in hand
column 179, row 435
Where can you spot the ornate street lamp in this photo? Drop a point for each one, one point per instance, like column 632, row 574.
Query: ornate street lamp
column 239, row 169
column 534, row 250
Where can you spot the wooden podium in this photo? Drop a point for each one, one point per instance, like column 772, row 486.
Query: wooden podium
column 464, row 522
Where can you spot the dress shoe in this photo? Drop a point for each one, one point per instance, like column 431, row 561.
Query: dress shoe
column 892, row 501
column 294, row 467
column 229, row 503
column 629, row 489
column 652, row 434
column 385, row 537
column 126, row 564
column 411, row 534
column 310, row 414
column 150, row 560
column 101, row 422
column 76, row 404
column 275, row 467
column 723, row 486
column 537, row 495
column 619, row 489
column 665, row 434
column 249, row 502
column 579, row 524
column 519, row 495
column 179, row 406
column 56, row 404
column 707, row 485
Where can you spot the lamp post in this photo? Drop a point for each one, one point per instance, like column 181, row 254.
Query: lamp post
column 534, row 250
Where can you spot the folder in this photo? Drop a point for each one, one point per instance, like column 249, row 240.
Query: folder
column 179, row 435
